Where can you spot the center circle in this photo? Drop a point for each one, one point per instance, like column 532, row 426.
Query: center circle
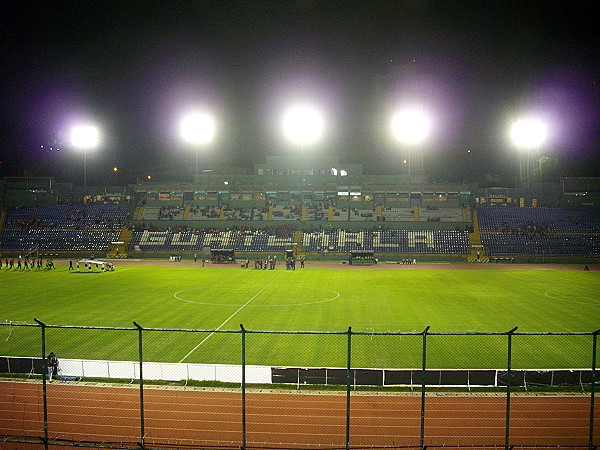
column 317, row 296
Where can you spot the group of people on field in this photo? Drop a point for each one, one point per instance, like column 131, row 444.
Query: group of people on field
column 26, row 264
column 270, row 262
column 38, row 264
column 89, row 265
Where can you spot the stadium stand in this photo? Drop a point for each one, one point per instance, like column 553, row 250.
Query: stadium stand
column 76, row 216
column 398, row 215
column 388, row 241
column 539, row 231
column 267, row 214
column 69, row 228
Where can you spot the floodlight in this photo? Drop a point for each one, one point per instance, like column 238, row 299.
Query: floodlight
column 303, row 124
column 410, row 126
column 84, row 136
column 198, row 128
column 528, row 133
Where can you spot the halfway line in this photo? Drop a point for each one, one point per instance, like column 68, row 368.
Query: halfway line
column 229, row 318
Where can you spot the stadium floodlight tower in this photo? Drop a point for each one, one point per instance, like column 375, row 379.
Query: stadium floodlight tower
column 302, row 125
column 198, row 129
column 528, row 135
column 85, row 137
column 411, row 127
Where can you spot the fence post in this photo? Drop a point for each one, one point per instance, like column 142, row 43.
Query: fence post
column 593, row 389
column 141, row 359
column 348, row 382
column 508, row 380
column 44, row 378
column 423, row 384
column 243, row 386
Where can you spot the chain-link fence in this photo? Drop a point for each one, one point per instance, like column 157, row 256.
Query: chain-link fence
column 185, row 388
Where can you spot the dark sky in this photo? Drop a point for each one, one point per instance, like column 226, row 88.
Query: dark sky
column 134, row 67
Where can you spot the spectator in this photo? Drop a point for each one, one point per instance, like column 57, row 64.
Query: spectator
column 52, row 365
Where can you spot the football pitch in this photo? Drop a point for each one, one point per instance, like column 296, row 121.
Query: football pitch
column 203, row 307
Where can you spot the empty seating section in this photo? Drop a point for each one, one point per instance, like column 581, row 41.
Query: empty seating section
column 77, row 227
column 354, row 215
column 260, row 213
column 236, row 213
column 204, row 213
column 506, row 244
column 163, row 213
column 293, row 212
column 58, row 240
column 316, row 213
column 433, row 214
column 398, row 214
column 287, row 212
column 340, row 215
column 554, row 220
column 76, row 216
column 539, row 231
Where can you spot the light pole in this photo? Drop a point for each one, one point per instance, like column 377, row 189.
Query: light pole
column 197, row 129
column 410, row 126
column 302, row 124
column 84, row 137
column 528, row 135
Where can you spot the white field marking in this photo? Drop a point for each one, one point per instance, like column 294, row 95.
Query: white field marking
column 229, row 318
column 591, row 301
column 10, row 330
column 335, row 297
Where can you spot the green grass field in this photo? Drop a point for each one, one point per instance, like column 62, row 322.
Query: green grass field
column 371, row 301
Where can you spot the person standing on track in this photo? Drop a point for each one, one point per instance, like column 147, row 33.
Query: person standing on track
column 52, row 365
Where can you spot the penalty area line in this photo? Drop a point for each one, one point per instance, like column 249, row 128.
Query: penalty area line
column 229, row 318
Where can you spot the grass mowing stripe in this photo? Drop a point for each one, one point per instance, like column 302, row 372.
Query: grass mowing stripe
column 229, row 318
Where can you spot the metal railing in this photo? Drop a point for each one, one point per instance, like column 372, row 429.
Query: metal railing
column 345, row 374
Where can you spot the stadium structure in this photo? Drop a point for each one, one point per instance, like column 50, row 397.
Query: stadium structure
column 323, row 210
column 315, row 206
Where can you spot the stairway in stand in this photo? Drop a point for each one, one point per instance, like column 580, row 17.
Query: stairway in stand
column 476, row 250
column 119, row 250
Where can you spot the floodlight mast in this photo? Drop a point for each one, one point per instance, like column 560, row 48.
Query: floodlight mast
column 197, row 129
column 411, row 127
column 84, row 137
column 528, row 135
column 302, row 124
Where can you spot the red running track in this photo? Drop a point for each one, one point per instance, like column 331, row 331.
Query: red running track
column 201, row 418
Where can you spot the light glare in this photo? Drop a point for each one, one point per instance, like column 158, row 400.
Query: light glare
column 528, row 133
column 197, row 128
column 84, row 136
column 303, row 124
column 410, row 126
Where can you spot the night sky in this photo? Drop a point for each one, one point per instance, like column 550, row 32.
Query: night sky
column 133, row 68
